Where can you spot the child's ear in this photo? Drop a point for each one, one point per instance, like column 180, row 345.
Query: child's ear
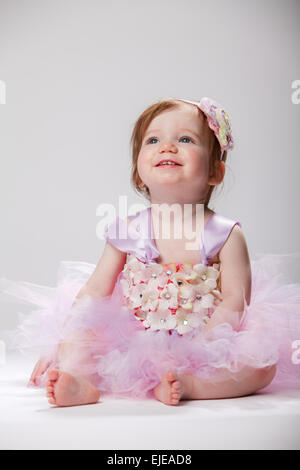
column 217, row 173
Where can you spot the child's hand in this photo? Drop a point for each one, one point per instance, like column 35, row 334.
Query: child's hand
column 40, row 368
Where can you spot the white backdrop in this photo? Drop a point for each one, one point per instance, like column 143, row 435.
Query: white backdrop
column 79, row 72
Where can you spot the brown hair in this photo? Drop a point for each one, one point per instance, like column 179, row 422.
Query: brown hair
column 137, row 137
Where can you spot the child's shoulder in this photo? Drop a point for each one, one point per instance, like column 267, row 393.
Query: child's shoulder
column 223, row 234
column 234, row 245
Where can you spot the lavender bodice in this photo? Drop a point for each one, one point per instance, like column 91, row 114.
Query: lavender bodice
column 177, row 297
column 137, row 237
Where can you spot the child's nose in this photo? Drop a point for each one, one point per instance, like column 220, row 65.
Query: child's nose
column 168, row 146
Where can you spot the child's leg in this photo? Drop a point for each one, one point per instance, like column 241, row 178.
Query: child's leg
column 248, row 381
column 72, row 383
column 187, row 386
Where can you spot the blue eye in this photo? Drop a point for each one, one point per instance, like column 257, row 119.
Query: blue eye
column 155, row 138
column 152, row 138
column 185, row 137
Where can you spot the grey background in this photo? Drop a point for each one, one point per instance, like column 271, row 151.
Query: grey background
column 78, row 74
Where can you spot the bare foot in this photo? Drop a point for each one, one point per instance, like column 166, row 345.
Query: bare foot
column 170, row 390
column 65, row 390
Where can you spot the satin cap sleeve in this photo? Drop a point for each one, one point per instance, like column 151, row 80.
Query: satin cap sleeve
column 121, row 235
column 215, row 236
column 132, row 236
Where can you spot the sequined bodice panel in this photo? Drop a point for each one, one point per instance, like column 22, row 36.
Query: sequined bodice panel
column 171, row 296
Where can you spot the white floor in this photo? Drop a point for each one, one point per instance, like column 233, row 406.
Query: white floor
column 262, row 421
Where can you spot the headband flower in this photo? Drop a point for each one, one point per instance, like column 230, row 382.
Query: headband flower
column 218, row 120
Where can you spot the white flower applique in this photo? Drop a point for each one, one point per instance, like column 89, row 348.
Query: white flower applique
column 187, row 321
column 218, row 296
column 202, row 301
column 155, row 271
column 190, row 274
column 161, row 319
column 179, row 279
column 150, row 296
column 168, row 296
column 186, row 297
column 135, row 270
column 172, row 296
column 207, row 277
column 140, row 315
column 135, row 295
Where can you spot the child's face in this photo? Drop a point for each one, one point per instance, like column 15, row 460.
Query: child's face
column 183, row 136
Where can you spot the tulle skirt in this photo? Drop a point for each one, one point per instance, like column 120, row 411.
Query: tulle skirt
column 106, row 342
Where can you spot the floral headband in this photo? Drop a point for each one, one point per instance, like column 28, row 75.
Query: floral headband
column 218, row 120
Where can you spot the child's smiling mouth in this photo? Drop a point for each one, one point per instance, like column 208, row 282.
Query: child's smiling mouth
column 168, row 163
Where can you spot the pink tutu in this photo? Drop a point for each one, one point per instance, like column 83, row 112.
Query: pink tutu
column 125, row 359
column 113, row 344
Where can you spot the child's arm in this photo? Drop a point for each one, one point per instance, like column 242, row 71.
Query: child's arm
column 100, row 284
column 235, row 281
column 103, row 279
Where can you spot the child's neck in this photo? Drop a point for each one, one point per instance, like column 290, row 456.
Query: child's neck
column 192, row 214
column 187, row 209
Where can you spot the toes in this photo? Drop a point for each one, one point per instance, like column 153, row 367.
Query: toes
column 50, row 391
column 174, row 400
column 176, row 392
column 53, row 374
column 175, row 396
column 176, row 386
column 171, row 375
column 50, row 383
column 51, row 401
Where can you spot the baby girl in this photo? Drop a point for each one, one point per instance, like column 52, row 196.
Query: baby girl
column 156, row 318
